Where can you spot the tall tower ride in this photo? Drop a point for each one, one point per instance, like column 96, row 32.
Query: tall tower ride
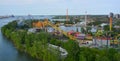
column 67, row 16
column 111, row 19
column 85, row 18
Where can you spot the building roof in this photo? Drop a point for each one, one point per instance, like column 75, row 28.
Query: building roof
column 103, row 24
column 63, row 51
column 38, row 24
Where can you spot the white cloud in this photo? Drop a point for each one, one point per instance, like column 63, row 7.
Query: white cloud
column 15, row 2
column 23, row 2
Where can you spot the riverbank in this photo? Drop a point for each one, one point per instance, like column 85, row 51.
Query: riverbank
column 36, row 45
column 8, row 52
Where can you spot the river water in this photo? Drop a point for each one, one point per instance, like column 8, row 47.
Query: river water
column 8, row 52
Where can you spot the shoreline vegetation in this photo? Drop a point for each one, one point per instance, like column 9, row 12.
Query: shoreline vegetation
column 36, row 45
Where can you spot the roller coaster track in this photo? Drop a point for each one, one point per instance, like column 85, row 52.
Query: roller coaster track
column 60, row 30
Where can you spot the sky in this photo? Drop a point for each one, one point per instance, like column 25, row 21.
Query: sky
column 58, row 7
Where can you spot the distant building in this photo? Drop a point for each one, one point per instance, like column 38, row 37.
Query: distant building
column 32, row 30
column 63, row 52
column 82, row 23
column 102, row 41
column 103, row 24
column 20, row 23
column 94, row 29
column 60, row 20
column 117, row 16
column 116, row 26
column 50, row 29
column 111, row 15
column 80, row 36
column 38, row 25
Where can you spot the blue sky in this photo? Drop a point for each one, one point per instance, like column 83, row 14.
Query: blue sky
column 58, row 7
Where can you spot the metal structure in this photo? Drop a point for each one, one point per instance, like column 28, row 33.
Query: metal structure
column 67, row 16
column 111, row 15
column 85, row 18
column 110, row 23
column 46, row 22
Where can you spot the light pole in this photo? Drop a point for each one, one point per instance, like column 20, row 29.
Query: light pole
column 93, row 34
column 107, row 35
column 112, row 42
column 107, row 39
column 93, row 30
column 118, row 42
column 113, row 34
column 101, row 40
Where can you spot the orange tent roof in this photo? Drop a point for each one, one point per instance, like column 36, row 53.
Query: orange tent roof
column 38, row 24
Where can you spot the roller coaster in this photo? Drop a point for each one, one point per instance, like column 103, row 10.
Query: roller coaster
column 46, row 22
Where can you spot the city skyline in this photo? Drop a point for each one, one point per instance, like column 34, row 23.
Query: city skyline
column 58, row 7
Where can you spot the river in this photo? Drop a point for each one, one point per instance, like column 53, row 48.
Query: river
column 8, row 52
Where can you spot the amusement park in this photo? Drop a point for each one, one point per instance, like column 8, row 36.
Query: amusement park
column 66, row 37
